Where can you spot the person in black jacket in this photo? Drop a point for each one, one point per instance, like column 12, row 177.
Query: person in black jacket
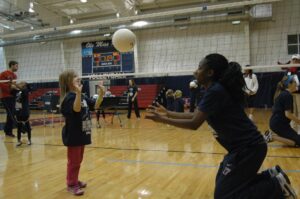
column 76, row 132
column 22, row 112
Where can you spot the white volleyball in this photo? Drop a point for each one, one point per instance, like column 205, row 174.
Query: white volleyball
column 123, row 40
column 193, row 84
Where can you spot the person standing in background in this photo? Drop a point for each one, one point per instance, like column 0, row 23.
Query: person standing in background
column 7, row 95
column 178, row 102
column 23, row 112
column 101, row 93
column 132, row 99
column 251, row 90
column 170, row 100
column 196, row 93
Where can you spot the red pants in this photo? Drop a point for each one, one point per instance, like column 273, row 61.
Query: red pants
column 75, row 156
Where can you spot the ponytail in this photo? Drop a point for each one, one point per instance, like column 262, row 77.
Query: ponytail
column 229, row 75
column 234, row 82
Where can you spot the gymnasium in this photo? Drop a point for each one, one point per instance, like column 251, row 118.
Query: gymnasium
column 138, row 52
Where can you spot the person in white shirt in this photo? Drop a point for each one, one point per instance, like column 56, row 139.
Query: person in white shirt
column 251, row 90
column 296, row 60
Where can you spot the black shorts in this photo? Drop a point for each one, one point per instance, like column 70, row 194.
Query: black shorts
column 250, row 101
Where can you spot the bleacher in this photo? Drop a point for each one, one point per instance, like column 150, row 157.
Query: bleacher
column 146, row 93
column 35, row 97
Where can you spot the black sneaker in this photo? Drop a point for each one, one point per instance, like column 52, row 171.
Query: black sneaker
column 10, row 135
column 286, row 186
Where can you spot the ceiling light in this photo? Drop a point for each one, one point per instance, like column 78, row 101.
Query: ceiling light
column 83, row 1
column 118, row 15
column 31, row 27
column 31, row 5
column 75, row 32
column 236, row 22
column 140, row 23
column 106, row 35
column 136, row 12
column 71, row 21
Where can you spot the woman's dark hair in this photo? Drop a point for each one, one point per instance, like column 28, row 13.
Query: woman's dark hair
column 132, row 81
column 250, row 72
column 283, row 84
column 228, row 74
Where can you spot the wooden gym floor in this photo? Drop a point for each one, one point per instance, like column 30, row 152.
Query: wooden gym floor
column 142, row 159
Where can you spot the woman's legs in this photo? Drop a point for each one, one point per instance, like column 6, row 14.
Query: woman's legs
column 136, row 109
column 286, row 135
column 237, row 176
column 129, row 108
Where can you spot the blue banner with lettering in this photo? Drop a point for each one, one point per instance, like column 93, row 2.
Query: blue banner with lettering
column 101, row 57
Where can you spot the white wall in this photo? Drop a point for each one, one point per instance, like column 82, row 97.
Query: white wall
column 2, row 59
column 171, row 49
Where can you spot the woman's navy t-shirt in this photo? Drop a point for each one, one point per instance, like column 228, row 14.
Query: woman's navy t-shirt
column 284, row 102
column 234, row 130
column 77, row 129
column 132, row 90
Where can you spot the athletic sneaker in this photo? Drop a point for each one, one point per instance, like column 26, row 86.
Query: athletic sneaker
column 19, row 143
column 286, row 186
column 250, row 117
column 268, row 136
column 29, row 142
column 76, row 190
column 98, row 125
column 274, row 171
column 82, row 184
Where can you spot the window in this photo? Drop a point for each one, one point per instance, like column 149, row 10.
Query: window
column 293, row 44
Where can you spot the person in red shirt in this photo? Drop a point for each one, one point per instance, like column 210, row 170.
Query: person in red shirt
column 7, row 96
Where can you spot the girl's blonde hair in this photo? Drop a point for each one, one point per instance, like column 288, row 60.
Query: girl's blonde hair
column 65, row 80
column 178, row 94
column 170, row 93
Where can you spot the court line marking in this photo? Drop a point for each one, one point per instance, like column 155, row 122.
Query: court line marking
column 157, row 150
column 112, row 160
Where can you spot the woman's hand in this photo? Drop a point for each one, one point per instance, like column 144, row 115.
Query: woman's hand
column 156, row 113
column 151, row 115
column 159, row 108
